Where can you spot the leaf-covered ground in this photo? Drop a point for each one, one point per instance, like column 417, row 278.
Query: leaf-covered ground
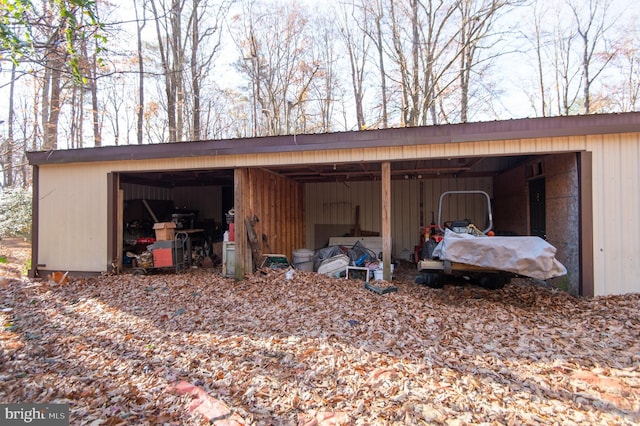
column 14, row 257
column 317, row 350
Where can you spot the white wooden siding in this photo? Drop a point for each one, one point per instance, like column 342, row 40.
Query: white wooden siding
column 73, row 218
column 616, row 213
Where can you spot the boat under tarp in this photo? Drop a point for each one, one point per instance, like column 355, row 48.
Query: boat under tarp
column 527, row 256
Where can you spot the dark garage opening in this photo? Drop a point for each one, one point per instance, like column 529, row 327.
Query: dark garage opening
column 195, row 201
column 209, row 194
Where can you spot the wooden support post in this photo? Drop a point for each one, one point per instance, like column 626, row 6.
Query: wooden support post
column 240, row 185
column 585, row 178
column 386, row 221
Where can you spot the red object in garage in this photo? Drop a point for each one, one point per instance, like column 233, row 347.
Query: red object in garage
column 162, row 257
column 232, row 232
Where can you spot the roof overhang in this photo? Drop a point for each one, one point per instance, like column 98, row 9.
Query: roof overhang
column 545, row 127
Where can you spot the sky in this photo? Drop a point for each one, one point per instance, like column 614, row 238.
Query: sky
column 515, row 75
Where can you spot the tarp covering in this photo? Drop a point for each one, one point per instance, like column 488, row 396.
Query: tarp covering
column 528, row 256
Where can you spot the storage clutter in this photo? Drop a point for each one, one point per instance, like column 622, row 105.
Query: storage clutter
column 163, row 254
column 334, row 260
column 164, row 230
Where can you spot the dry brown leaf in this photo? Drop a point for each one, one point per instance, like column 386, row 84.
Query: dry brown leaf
column 319, row 349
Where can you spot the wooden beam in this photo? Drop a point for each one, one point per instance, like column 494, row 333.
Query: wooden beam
column 386, row 221
column 112, row 220
column 35, row 220
column 585, row 185
column 242, row 253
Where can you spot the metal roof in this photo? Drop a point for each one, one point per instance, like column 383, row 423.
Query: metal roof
column 545, row 127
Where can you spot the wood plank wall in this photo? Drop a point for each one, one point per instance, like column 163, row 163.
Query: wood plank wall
column 278, row 203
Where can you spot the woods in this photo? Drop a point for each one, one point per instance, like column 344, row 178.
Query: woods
column 82, row 73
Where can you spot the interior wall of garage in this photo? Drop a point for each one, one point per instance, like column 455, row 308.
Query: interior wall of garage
column 331, row 207
column 205, row 199
column 562, row 197
column 145, row 192
column 562, row 216
column 510, row 203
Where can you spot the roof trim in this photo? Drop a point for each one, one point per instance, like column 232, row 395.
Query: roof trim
column 579, row 125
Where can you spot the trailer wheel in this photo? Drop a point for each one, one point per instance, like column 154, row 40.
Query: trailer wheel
column 139, row 271
column 492, row 282
column 433, row 280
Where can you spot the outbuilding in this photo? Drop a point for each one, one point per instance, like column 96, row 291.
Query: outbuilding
column 572, row 180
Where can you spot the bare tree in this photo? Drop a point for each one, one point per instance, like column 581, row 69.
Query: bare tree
column 357, row 47
column 92, row 82
column 187, row 61
column 140, row 24
column 624, row 95
column 168, row 18
column 567, row 75
column 323, row 89
column 274, row 43
column 205, row 46
column 536, row 37
column 377, row 37
column 424, row 37
column 592, row 24
column 8, row 145
column 477, row 18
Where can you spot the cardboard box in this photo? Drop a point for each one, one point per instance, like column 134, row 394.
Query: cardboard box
column 164, row 230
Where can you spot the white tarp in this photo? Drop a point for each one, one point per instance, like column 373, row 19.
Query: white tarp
column 528, row 256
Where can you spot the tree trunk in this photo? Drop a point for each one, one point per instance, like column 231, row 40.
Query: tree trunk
column 176, row 74
column 415, row 53
column 168, row 81
column 95, row 113
column 402, row 66
column 51, row 103
column 140, row 107
column 356, row 80
column 383, row 77
column 195, row 77
column 464, row 72
column 543, row 94
column 8, row 143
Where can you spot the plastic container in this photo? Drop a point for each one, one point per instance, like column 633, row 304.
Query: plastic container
column 334, row 266
column 303, row 259
column 229, row 259
column 377, row 275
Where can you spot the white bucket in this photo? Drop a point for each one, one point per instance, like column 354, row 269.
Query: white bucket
column 303, row 259
column 377, row 274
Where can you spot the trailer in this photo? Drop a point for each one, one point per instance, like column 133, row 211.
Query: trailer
column 477, row 255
